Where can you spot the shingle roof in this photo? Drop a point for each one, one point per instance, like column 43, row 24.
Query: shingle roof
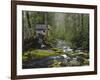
column 41, row 27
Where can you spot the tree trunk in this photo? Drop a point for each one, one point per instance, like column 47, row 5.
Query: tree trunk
column 28, row 20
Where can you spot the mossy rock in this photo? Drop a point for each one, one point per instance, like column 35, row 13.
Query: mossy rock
column 86, row 62
column 57, row 50
column 42, row 53
column 55, row 64
column 74, row 63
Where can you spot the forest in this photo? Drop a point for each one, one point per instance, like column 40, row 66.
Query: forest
column 54, row 39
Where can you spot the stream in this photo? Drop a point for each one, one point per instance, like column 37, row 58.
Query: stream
column 45, row 62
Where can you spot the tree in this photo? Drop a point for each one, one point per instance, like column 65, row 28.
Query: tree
column 71, row 27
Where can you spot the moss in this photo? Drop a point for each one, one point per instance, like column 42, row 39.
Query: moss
column 38, row 54
column 43, row 53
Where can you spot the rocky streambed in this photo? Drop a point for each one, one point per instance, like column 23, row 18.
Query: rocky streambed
column 53, row 61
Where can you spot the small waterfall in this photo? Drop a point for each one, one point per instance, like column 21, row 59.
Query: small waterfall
column 63, row 45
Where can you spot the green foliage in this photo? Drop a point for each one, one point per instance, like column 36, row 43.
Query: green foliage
column 25, row 57
column 81, row 37
column 71, row 27
column 49, row 41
